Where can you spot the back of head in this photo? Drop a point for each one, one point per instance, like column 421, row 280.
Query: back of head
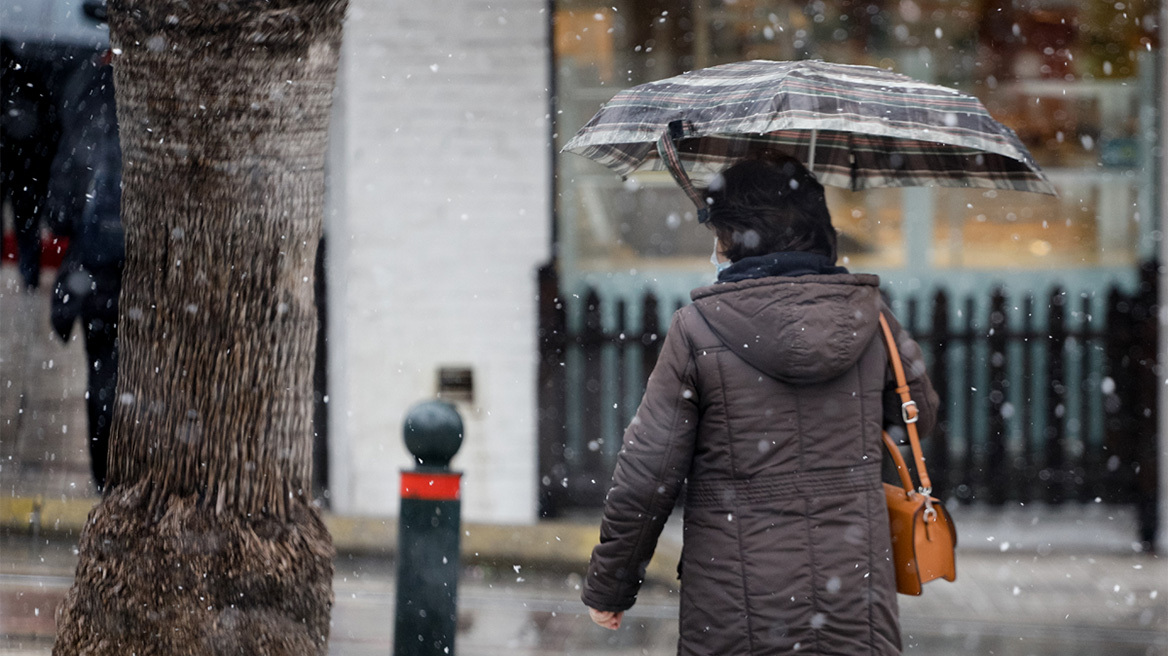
column 762, row 206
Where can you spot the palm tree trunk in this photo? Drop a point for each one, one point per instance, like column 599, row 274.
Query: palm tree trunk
column 206, row 540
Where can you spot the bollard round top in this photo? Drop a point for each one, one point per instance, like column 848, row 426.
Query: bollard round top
column 433, row 433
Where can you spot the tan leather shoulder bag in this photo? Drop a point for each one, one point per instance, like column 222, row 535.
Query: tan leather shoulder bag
column 923, row 537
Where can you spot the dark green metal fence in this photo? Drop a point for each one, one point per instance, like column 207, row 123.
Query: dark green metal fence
column 1045, row 398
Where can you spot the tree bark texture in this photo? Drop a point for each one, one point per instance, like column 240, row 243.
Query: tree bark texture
column 206, row 541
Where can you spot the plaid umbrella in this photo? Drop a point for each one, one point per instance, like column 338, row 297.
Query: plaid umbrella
column 855, row 127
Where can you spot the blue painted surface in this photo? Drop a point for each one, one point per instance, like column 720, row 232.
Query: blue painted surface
column 672, row 286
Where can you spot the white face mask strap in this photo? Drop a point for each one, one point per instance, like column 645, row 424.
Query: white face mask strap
column 719, row 266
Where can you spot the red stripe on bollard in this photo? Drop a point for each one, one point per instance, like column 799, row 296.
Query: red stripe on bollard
column 430, row 487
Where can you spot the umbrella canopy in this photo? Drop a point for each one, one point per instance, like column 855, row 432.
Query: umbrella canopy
column 855, row 127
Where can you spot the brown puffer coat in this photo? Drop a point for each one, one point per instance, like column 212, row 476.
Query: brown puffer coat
column 768, row 398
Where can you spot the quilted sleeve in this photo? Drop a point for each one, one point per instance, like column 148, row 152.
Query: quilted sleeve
column 650, row 469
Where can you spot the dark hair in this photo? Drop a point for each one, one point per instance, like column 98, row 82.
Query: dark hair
column 762, row 206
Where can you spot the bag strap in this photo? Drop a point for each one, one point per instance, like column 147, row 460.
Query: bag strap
column 908, row 410
column 901, row 465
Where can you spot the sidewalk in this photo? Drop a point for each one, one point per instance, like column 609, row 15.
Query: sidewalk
column 1002, row 603
column 43, row 448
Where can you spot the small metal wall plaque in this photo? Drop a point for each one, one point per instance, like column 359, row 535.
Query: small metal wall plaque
column 456, row 384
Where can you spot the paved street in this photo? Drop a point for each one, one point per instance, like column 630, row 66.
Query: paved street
column 1007, row 604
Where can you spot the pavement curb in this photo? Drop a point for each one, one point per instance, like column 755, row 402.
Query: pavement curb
column 38, row 514
column 548, row 545
column 566, row 545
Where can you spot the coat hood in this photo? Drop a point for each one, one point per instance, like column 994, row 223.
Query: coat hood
column 800, row 330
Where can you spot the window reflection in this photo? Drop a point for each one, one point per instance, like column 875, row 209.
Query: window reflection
column 1072, row 77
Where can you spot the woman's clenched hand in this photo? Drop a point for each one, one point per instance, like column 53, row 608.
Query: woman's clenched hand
column 607, row 618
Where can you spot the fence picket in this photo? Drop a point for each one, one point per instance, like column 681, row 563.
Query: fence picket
column 968, row 460
column 552, row 397
column 650, row 337
column 998, row 478
column 1025, row 488
column 1085, row 466
column 1053, row 473
column 1119, row 420
column 589, row 449
column 938, row 446
column 622, row 404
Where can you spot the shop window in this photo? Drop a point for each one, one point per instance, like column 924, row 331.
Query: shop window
column 1070, row 76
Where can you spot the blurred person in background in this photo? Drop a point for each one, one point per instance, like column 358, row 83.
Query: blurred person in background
column 28, row 136
column 83, row 204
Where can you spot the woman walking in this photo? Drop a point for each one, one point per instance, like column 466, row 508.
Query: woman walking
column 768, row 398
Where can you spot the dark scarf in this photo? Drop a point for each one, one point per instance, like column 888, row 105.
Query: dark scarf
column 786, row 263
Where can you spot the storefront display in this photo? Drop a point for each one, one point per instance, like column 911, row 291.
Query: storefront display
column 1074, row 79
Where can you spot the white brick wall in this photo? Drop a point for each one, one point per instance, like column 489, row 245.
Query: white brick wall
column 439, row 219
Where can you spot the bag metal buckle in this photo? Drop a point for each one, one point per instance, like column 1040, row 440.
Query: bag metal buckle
column 930, row 512
column 909, row 418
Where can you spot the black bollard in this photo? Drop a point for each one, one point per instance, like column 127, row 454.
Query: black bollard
column 428, row 534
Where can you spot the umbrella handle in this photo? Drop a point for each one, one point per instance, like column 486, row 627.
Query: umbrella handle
column 811, row 152
column 667, row 150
